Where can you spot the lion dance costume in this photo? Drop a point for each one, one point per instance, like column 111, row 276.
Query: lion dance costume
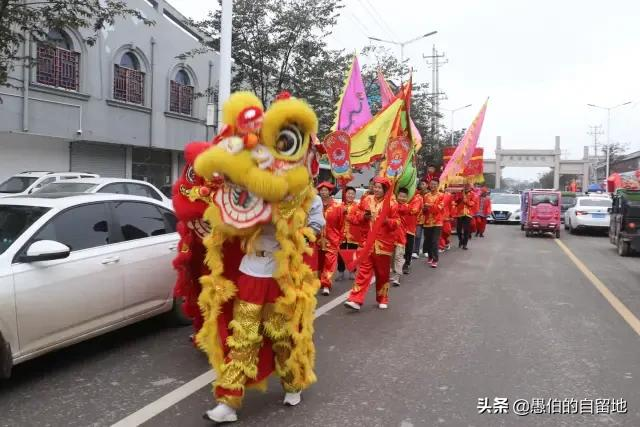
column 258, row 315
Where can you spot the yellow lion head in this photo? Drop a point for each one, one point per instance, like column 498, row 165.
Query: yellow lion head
column 264, row 158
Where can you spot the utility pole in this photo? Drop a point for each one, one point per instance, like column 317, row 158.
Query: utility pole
column 596, row 131
column 435, row 61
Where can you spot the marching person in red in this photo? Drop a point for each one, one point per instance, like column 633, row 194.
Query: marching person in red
column 330, row 238
column 445, row 243
column 397, row 260
column 423, row 188
column 409, row 213
column 484, row 210
column 464, row 205
column 431, row 174
column 433, row 209
column 378, row 261
column 352, row 232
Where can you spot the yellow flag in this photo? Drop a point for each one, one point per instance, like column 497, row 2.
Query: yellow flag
column 369, row 142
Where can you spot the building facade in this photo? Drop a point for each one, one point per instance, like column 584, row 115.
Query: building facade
column 124, row 107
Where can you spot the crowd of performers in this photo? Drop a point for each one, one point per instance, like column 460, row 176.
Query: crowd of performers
column 420, row 226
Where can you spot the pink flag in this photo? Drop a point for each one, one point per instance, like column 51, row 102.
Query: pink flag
column 387, row 97
column 464, row 151
column 353, row 106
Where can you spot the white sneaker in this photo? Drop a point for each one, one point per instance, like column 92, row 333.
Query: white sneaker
column 222, row 414
column 415, row 255
column 352, row 305
column 326, row 291
column 383, row 306
column 396, row 283
column 373, row 280
column 292, row 399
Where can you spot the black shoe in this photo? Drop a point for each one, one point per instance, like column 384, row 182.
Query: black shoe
column 459, row 244
column 482, row 235
column 465, row 248
column 405, row 269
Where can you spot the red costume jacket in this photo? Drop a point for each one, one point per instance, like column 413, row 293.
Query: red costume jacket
column 353, row 233
column 484, row 206
column 410, row 218
column 464, row 204
column 447, row 199
column 386, row 237
column 434, row 209
column 332, row 233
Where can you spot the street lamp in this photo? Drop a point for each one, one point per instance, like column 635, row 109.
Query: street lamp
column 452, row 113
column 608, row 129
column 403, row 44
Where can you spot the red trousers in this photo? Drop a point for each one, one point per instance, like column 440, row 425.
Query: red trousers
column 378, row 265
column 481, row 224
column 445, row 234
column 327, row 264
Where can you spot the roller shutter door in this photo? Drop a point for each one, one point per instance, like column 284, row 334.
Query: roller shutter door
column 104, row 159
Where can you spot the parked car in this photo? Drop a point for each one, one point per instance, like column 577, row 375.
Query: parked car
column 28, row 182
column 76, row 266
column 589, row 212
column 133, row 187
column 625, row 221
column 505, row 207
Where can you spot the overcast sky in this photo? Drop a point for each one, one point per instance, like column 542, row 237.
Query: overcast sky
column 540, row 61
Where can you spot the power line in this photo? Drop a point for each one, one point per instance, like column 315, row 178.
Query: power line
column 377, row 22
column 384, row 23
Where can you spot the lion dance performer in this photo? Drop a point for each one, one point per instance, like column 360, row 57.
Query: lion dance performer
column 260, row 320
column 189, row 263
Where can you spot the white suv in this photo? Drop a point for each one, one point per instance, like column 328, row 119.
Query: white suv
column 28, row 182
column 133, row 187
column 73, row 267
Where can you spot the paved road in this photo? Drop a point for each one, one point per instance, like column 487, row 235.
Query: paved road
column 511, row 318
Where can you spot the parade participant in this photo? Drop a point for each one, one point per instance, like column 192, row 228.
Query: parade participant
column 447, row 228
column 433, row 217
column 376, row 263
column 431, row 174
column 409, row 217
column 259, row 318
column 397, row 260
column 352, row 232
column 464, row 205
column 423, row 188
column 483, row 212
column 329, row 243
column 473, row 229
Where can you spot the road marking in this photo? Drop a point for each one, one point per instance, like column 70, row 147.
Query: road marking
column 168, row 400
column 622, row 309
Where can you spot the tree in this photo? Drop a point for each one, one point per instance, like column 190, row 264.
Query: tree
column 280, row 45
column 23, row 19
column 616, row 150
column 545, row 180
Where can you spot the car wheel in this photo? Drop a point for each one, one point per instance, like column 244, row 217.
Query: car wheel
column 177, row 316
column 571, row 229
column 558, row 233
column 6, row 359
column 624, row 248
column 566, row 225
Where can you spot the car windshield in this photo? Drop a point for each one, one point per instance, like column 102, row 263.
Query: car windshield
column 14, row 220
column 550, row 199
column 505, row 199
column 66, row 187
column 605, row 203
column 17, row 184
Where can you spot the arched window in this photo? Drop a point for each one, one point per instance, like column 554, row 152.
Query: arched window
column 58, row 64
column 181, row 93
column 128, row 79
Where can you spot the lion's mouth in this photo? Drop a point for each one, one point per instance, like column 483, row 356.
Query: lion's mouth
column 241, row 208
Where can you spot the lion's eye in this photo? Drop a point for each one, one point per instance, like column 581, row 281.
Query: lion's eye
column 191, row 175
column 289, row 141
